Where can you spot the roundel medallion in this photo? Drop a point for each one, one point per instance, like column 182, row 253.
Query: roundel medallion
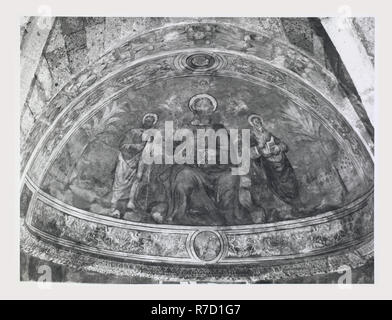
column 207, row 246
column 200, row 62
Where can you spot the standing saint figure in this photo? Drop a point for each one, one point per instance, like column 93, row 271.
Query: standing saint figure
column 131, row 172
column 269, row 152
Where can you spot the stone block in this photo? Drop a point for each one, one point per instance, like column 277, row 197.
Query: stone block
column 59, row 66
column 76, row 40
column 95, row 41
column 56, row 39
column 77, row 60
column 91, row 21
column 71, row 24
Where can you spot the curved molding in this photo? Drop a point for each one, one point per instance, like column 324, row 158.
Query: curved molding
column 354, row 257
column 113, row 62
column 315, row 102
column 90, row 233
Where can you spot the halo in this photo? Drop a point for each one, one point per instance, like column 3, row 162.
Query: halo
column 154, row 115
column 202, row 95
column 253, row 116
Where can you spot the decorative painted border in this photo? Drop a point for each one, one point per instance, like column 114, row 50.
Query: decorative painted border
column 353, row 257
column 56, row 222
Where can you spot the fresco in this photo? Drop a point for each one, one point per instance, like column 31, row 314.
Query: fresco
column 283, row 192
column 301, row 171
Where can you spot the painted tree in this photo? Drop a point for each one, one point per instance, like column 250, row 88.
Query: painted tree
column 103, row 123
column 306, row 129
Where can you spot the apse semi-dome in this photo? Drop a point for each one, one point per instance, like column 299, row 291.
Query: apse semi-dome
column 307, row 211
